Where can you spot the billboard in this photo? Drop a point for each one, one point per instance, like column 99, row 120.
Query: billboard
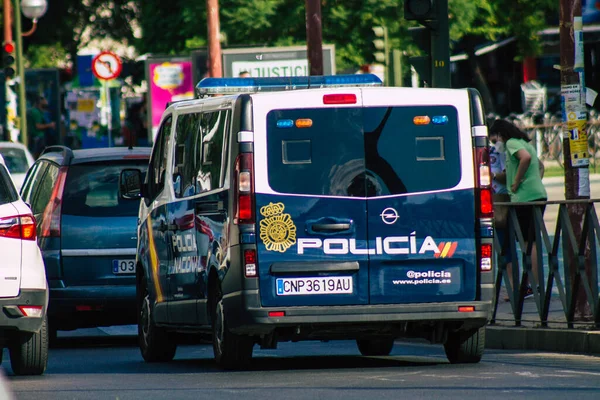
column 274, row 61
column 169, row 79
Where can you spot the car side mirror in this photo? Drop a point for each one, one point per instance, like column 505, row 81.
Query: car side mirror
column 130, row 184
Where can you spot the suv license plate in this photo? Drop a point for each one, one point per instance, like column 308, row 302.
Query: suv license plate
column 317, row 285
column 123, row 267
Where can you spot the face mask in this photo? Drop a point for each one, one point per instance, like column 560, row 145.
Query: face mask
column 500, row 147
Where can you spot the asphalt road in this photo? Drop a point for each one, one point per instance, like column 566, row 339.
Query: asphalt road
column 112, row 368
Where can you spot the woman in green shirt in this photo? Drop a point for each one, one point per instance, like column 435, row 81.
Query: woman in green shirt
column 524, row 180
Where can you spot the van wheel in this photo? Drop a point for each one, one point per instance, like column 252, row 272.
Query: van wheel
column 231, row 351
column 155, row 343
column 29, row 352
column 375, row 347
column 465, row 347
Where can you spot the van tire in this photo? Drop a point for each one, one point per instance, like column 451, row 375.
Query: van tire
column 465, row 347
column 375, row 347
column 231, row 351
column 155, row 343
column 29, row 352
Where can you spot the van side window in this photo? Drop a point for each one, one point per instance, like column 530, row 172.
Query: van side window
column 209, row 174
column 187, row 153
column 158, row 162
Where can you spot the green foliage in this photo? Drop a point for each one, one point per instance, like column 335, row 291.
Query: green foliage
column 46, row 56
column 178, row 26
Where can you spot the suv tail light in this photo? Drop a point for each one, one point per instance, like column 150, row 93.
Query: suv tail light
column 50, row 226
column 484, row 183
column 18, row 227
column 244, row 189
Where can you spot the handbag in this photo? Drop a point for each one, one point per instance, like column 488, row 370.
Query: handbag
column 501, row 211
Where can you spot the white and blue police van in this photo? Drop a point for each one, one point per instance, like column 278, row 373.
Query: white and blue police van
column 315, row 208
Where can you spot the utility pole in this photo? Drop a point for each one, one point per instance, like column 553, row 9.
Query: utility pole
column 215, row 67
column 575, row 148
column 21, row 72
column 314, row 37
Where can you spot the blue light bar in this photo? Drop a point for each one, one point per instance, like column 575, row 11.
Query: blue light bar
column 285, row 123
column 212, row 86
column 440, row 120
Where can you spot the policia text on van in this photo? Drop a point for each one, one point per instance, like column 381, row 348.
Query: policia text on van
column 338, row 210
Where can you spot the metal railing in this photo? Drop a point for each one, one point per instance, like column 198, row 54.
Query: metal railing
column 565, row 265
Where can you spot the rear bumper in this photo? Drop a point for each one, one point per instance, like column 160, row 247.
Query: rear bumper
column 249, row 317
column 75, row 307
column 13, row 319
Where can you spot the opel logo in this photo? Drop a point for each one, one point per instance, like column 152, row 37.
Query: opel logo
column 389, row 216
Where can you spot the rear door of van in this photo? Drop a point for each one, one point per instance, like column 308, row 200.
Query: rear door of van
column 310, row 199
column 421, row 212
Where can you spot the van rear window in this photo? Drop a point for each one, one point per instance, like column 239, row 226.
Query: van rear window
column 363, row 152
column 92, row 190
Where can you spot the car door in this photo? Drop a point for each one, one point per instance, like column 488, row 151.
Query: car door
column 421, row 220
column 310, row 205
column 10, row 241
column 156, row 227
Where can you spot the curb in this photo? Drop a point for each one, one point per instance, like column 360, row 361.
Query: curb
column 555, row 340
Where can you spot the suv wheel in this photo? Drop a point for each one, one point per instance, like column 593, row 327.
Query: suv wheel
column 231, row 351
column 375, row 347
column 29, row 352
column 155, row 343
column 464, row 347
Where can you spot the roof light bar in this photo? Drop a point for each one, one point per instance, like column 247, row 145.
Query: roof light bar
column 214, row 86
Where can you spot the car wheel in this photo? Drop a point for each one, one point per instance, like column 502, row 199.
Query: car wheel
column 375, row 347
column 29, row 352
column 465, row 347
column 231, row 351
column 156, row 345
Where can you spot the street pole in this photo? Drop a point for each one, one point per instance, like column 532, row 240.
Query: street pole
column 314, row 37
column 21, row 73
column 215, row 67
column 440, row 48
column 575, row 149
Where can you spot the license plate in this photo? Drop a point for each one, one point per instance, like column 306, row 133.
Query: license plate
column 320, row 285
column 123, row 267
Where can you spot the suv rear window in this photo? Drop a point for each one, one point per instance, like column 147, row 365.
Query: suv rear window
column 363, row 152
column 8, row 194
column 15, row 160
column 92, row 190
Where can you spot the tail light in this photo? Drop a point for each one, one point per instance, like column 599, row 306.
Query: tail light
column 50, row 226
column 18, row 227
column 250, row 263
column 244, row 189
column 31, row 311
column 484, row 183
column 485, row 259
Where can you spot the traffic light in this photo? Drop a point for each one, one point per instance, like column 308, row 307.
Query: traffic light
column 433, row 39
column 419, row 10
column 8, row 59
column 380, row 44
column 381, row 48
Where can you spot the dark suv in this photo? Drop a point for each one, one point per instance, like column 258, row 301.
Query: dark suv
column 87, row 234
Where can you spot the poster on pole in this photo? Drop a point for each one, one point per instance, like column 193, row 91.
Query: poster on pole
column 169, row 79
column 575, row 115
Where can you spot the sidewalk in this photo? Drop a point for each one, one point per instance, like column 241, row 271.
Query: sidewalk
column 557, row 337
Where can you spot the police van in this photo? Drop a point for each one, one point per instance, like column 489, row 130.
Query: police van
column 315, row 208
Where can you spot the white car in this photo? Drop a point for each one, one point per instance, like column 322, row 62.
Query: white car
column 17, row 159
column 23, row 287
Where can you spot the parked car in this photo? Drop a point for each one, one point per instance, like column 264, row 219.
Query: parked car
column 17, row 159
column 23, row 287
column 87, row 234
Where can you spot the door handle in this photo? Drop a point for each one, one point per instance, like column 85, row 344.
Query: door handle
column 330, row 227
